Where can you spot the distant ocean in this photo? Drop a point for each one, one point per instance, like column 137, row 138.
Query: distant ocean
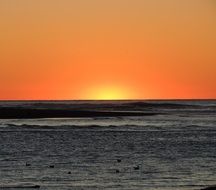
column 172, row 145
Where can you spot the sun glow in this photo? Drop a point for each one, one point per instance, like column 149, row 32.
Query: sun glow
column 108, row 93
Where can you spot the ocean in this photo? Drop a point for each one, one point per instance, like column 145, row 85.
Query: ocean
column 171, row 146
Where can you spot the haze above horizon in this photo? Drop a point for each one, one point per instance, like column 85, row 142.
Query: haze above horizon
column 107, row 50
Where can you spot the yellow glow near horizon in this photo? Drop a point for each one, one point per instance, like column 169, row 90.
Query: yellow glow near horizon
column 114, row 49
column 108, row 93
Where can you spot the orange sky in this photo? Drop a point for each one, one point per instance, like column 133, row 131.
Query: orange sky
column 82, row 49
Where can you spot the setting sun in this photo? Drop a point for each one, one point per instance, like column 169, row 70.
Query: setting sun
column 56, row 50
column 107, row 93
column 96, row 94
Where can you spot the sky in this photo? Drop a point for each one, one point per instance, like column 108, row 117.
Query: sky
column 107, row 49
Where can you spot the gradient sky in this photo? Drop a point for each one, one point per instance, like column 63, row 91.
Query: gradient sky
column 101, row 49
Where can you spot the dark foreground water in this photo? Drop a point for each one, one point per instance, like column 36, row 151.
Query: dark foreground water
column 175, row 149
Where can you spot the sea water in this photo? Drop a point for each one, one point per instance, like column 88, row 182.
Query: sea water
column 175, row 149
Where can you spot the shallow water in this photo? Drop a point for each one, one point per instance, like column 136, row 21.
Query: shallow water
column 173, row 150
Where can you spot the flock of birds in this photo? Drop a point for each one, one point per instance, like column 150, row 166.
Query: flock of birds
column 137, row 167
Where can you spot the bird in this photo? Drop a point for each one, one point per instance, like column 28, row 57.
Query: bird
column 117, row 171
column 51, row 166
column 136, row 167
column 27, row 164
column 118, row 160
column 69, row 172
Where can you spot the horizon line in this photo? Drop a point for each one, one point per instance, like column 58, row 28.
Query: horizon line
column 150, row 99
